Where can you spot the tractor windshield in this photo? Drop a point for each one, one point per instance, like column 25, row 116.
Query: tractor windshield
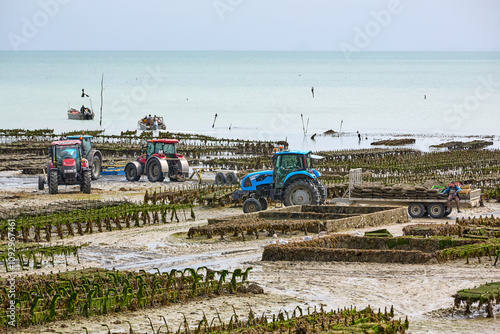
column 86, row 146
column 67, row 152
column 167, row 149
column 285, row 164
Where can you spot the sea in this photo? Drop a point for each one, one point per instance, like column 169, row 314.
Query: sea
column 294, row 96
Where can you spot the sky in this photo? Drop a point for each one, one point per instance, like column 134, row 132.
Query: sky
column 309, row 25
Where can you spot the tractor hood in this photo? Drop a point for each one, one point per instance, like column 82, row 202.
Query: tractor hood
column 252, row 180
column 69, row 163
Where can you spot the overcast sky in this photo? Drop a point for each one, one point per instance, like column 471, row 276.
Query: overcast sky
column 332, row 25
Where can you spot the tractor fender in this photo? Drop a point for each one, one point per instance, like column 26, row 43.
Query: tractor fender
column 139, row 167
column 184, row 167
column 92, row 154
column 298, row 175
column 316, row 173
column 163, row 164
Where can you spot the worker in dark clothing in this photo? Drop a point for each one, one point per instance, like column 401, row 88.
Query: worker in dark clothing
column 452, row 191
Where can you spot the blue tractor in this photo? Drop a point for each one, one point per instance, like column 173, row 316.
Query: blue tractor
column 293, row 181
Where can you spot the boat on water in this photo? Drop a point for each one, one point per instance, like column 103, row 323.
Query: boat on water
column 87, row 114
column 148, row 125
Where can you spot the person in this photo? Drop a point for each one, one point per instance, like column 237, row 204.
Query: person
column 312, row 90
column 149, row 121
column 82, row 109
column 155, row 123
column 452, row 191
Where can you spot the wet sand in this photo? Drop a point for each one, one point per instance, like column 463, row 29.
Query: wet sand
column 414, row 290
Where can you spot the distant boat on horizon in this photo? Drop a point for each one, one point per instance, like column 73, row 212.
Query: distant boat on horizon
column 82, row 116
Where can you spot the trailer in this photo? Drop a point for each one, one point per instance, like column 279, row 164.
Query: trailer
column 417, row 207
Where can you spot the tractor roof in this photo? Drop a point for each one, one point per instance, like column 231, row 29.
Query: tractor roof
column 293, row 152
column 165, row 141
column 79, row 136
column 66, row 142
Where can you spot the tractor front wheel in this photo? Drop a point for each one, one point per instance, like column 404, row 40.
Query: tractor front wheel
column 131, row 173
column 87, row 179
column 155, row 173
column 96, row 167
column 301, row 192
column 251, row 205
column 53, row 181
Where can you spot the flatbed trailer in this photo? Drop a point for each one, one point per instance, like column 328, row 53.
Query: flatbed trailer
column 435, row 208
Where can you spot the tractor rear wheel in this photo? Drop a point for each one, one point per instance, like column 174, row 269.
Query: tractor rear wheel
column 301, row 192
column 96, row 167
column 53, row 181
column 155, row 173
column 251, row 205
column 87, row 179
column 131, row 173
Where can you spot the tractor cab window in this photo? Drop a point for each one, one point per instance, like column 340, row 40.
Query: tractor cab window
column 150, row 149
column 166, row 149
column 285, row 164
column 169, row 149
column 86, row 145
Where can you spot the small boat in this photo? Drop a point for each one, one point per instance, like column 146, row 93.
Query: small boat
column 143, row 124
column 75, row 114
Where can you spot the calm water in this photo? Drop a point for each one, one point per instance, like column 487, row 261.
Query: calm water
column 260, row 95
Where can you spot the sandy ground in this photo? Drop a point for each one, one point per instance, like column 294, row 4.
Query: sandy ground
column 417, row 291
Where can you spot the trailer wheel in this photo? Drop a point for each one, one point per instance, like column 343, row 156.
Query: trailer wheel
column 231, row 178
column 416, row 210
column 220, row 178
column 251, row 205
column 435, row 210
column 41, row 182
column 263, row 203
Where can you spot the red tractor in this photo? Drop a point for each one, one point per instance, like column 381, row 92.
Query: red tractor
column 66, row 167
column 161, row 160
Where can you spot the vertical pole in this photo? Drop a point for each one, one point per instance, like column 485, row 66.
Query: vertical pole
column 102, row 88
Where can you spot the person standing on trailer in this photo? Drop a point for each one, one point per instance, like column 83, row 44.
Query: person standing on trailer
column 452, row 191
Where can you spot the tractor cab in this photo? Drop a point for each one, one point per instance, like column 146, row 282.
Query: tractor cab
column 86, row 143
column 66, row 153
column 161, row 148
column 289, row 163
